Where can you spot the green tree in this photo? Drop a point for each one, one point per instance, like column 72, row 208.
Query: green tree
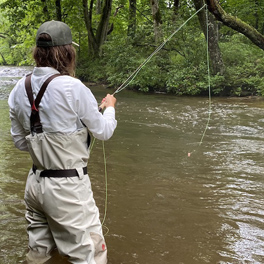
column 120, row 37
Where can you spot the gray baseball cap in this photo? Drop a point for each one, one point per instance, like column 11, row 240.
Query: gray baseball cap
column 59, row 32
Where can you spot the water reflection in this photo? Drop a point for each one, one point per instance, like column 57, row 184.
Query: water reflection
column 163, row 206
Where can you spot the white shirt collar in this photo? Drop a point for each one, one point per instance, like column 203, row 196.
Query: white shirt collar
column 39, row 71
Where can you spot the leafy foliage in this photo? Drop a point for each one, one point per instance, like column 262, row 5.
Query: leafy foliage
column 179, row 68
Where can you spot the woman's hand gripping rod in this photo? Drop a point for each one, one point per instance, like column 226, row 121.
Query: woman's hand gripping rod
column 109, row 100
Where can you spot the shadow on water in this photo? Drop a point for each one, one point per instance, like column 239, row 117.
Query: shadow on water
column 163, row 206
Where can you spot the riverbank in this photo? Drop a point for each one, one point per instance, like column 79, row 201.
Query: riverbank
column 105, row 82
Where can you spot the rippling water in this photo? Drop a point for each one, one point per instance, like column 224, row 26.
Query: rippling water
column 163, row 206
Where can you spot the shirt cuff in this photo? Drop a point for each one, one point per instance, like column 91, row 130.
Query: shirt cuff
column 110, row 110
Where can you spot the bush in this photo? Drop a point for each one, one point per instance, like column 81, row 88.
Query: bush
column 244, row 68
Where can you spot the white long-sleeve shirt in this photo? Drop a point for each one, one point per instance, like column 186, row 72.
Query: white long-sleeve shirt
column 65, row 105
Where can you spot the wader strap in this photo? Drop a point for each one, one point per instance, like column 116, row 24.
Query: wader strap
column 29, row 88
column 35, row 124
column 59, row 173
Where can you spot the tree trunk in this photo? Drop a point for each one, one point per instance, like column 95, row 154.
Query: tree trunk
column 93, row 47
column 215, row 55
column 132, row 19
column 256, row 15
column 176, row 4
column 175, row 8
column 96, row 40
column 235, row 23
column 45, row 9
column 98, row 7
column 3, row 58
column 154, row 4
column 102, row 29
column 58, row 10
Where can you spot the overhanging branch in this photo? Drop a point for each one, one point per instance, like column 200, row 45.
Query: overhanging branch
column 235, row 23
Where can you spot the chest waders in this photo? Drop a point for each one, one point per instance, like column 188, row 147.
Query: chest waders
column 61, row 211
column 55, row 154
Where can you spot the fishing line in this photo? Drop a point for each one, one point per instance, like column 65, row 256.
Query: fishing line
column 132, row 77
column 209, row 78
column 209, row 82
column 135, row 73
column 106, row 189
column 106, row 184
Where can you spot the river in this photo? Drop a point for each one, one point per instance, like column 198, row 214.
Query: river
column 163, row 206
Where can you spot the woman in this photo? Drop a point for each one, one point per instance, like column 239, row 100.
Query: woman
column 61, row 211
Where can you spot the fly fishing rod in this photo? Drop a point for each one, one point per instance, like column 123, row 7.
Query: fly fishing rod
column 133, row 76
column 135, row 73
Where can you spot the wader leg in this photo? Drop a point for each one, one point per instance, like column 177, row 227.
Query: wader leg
column 41, row 242
column 74, row 221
